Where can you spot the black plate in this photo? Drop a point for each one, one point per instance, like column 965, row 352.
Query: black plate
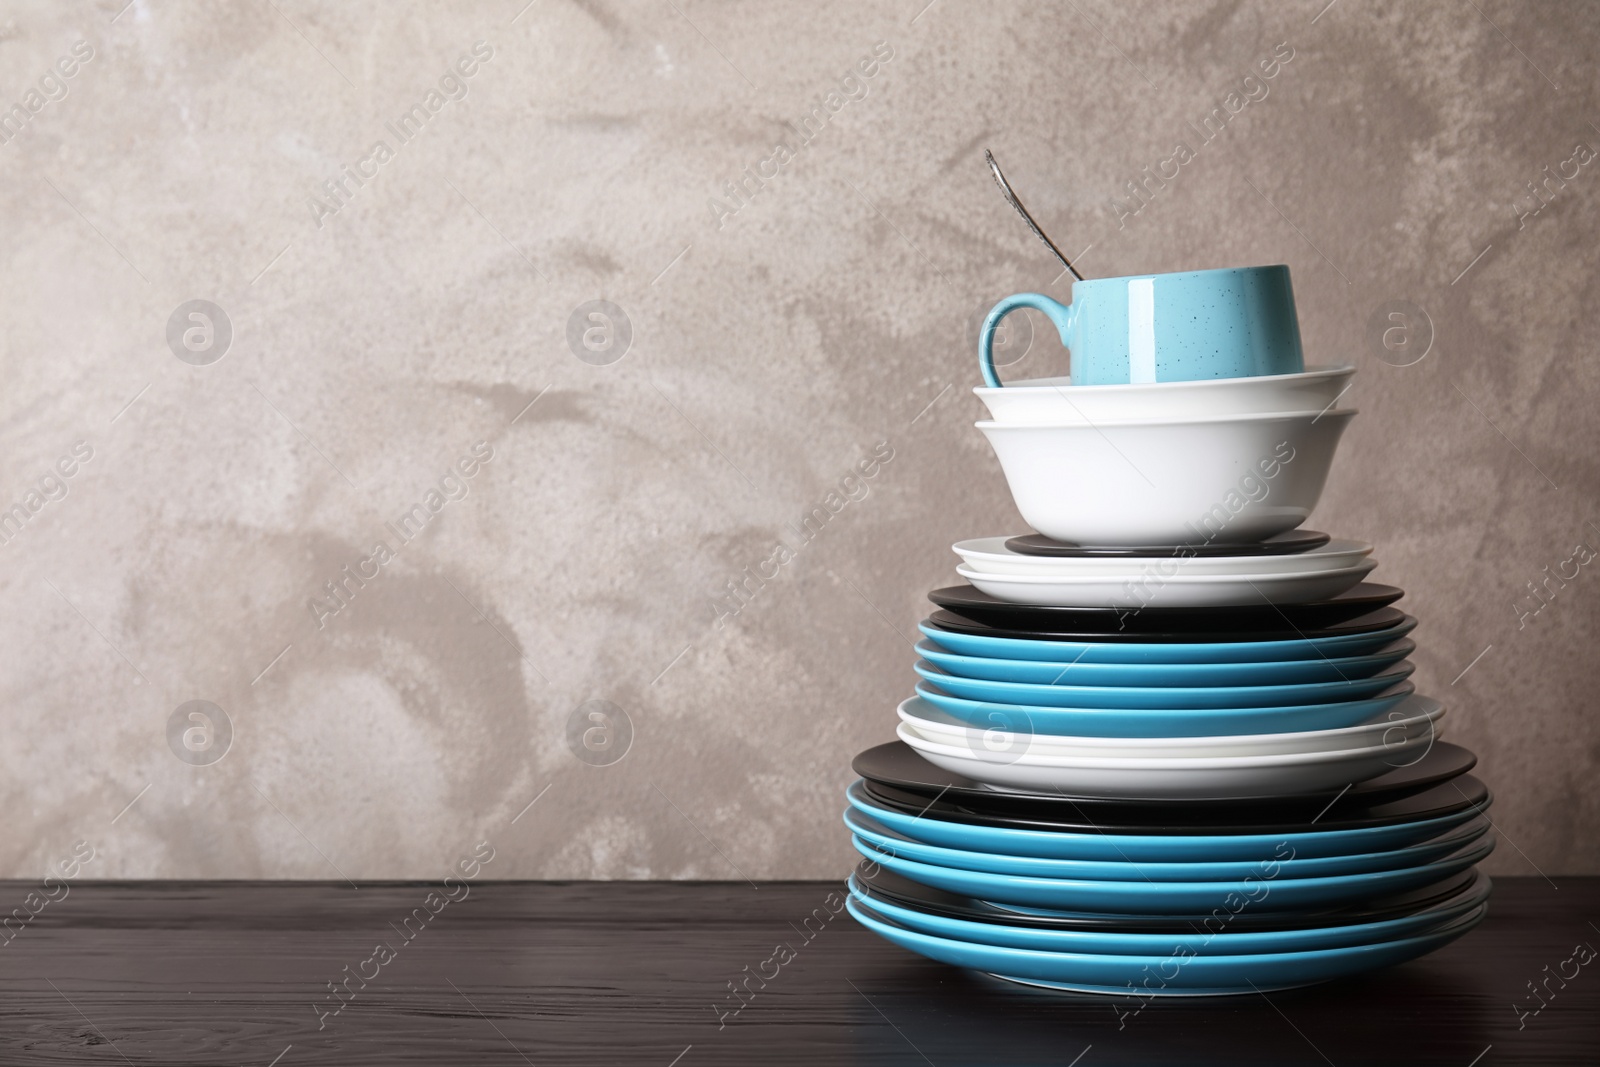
column 970, row 603
column 893, row 888
column 1284, row 544
column 896, row 766
column 1445, row 798
column 1373, row 621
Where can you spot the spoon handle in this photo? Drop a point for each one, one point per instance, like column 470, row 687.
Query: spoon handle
column 1011, row 198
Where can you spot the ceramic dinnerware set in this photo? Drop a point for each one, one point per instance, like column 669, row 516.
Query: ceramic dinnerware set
column 1167, row 744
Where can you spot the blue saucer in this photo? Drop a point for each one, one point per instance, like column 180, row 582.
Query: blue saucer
column 1165, row 722
column 1165, row 697
column 1282, row 864
column 1069, row 672
column 1361, row 644
column 1216, row 937
column 1260, row 892
column 1153, row 848
column 1169, row 973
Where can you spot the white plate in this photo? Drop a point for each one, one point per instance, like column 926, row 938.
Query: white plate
column 1415, row 717
column 1056, row 400
column 991, row 556
column 1134, row 590
column 1229, row 480
column 1212, row 778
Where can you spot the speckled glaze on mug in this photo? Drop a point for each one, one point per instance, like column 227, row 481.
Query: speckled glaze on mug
column 1237, row 322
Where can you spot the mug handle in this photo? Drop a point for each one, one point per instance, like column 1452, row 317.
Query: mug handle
column 1058, row 313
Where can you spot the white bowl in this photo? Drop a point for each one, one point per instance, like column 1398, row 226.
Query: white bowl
column 1054, row 401
column 1234, row 479
column 991, row 556
column 1192, row 778
column 1133, row 589
column 1415, row 717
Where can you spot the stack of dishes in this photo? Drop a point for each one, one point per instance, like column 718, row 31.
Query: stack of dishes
column 1150, row 898
column 1168, row 744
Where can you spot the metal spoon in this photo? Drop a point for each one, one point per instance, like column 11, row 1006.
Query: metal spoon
column 1011, row 198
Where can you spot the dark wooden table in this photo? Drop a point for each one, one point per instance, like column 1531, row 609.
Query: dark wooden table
column 640, row 973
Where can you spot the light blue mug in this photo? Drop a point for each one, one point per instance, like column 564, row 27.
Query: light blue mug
column 1237, row 322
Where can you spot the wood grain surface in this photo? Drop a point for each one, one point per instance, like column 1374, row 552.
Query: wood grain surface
column 642, row 973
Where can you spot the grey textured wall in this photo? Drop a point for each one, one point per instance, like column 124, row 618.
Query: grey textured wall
column 777, row 343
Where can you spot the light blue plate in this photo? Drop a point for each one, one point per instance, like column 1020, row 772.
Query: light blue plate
column 1213, row 940
column 1164, row 898
column 1166, row 974
column 1153, row 848
column 1283, row 865
column 1171, row 696
column 1165, row 722
column 1280, row 672
column 1159, row 652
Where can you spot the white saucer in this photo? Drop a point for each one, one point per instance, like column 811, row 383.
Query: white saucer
column 991, row 556
column 1180, row 778
column 1134, row 588
column 1415, row 717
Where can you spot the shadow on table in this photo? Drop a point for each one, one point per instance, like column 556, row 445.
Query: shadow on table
column 1412, row 1014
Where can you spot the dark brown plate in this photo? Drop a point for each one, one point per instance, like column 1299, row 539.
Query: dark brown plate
column 895, row 774
column 876, row 882
column 1372, row 622
column 1282, row 619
